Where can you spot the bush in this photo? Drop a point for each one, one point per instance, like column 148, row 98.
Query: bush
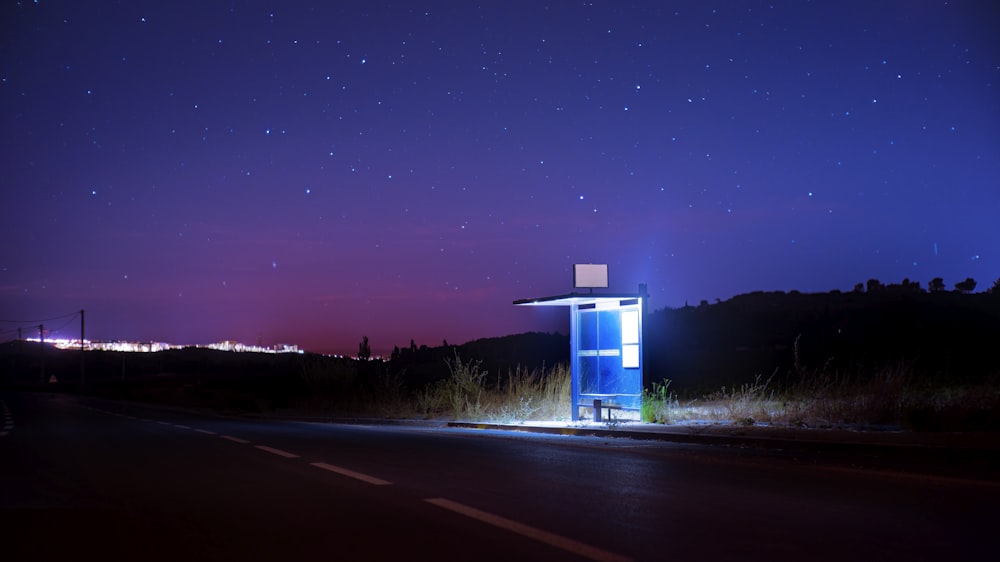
column 464, row 387
column 658, row 404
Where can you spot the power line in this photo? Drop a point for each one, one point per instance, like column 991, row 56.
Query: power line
column 64, row 324
column 69, row 315
column 16, row 326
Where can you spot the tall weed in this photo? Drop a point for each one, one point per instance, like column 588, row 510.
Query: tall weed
column 522, row 395
column 747, row 404
column 658, row 403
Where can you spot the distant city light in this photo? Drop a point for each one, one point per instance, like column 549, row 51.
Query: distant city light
column 150, row 347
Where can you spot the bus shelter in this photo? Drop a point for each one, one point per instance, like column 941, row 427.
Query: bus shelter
column 605, row 349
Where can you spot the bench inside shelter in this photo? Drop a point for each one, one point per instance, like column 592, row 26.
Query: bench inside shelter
column 598, row 403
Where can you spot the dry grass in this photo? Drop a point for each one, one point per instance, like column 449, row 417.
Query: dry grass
column 820, row 398
column 748, row 404
column 523, row 395
column 817, row 399
column 887, row 397
column 890, row 396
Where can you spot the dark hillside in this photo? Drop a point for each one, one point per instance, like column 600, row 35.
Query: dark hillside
column 950, row 336
column 500, row 355
column 191, row 376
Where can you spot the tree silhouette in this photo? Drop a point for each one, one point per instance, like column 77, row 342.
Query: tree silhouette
column 936, row 285
column 364, row 350
column 874, row 285
column 995, row 289
column 966, row 286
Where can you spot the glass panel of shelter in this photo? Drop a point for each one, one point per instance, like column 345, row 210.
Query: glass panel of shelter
column 604, row 372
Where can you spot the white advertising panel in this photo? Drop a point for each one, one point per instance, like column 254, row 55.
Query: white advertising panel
column 590, row 275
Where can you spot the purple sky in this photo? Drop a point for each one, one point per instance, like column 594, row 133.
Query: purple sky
column 311, row 172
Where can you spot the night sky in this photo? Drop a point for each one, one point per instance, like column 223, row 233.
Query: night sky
column 311, row 172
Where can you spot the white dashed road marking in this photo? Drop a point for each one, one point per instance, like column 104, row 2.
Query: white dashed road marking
column 552, row 539
column 351, row 474
column 564, row 543
column 278, row 452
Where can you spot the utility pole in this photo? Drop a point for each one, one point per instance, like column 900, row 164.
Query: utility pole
column 20, row 352
column 83, row 368
column 41, row 352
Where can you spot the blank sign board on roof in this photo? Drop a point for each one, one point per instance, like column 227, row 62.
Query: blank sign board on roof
column 590, row 275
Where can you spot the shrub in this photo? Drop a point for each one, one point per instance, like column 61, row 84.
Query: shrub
column 464, row 387
column 658, row 404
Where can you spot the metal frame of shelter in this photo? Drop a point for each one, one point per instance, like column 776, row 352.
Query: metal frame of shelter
column 605, row 349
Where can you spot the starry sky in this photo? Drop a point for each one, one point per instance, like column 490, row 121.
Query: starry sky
column 309, row 172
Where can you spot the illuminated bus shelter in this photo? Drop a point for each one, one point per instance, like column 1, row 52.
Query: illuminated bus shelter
column 605, row 343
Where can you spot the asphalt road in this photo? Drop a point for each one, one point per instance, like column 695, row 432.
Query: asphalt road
column 85, row 478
